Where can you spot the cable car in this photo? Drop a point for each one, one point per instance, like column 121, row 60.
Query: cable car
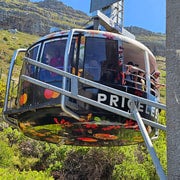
column 75, row 88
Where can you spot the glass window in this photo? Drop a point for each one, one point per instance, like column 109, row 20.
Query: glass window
column 53, row 53
column 33, row 52
column 100, row 54
column 54, row 50
column 26, row 90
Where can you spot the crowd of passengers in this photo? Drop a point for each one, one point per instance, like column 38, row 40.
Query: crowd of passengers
column 135, row 77
column 131, row 76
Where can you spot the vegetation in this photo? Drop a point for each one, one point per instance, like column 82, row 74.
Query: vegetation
column 24, row 158
column 39, row 17
column 9, row 42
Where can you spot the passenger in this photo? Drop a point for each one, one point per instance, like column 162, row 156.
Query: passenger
column 53, row 59
column 108, row 73
column 92, row 70
column 95, row 69
column 141, row 81
column 135, row 79
column 155, row 80
column 112, row 72
column 120, row 77
column 128, row 74
column 155, row 85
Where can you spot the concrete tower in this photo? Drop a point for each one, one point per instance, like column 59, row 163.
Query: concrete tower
column 173, row 87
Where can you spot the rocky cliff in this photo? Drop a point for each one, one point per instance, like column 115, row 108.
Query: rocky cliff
column 154, row 41
column 38, row 17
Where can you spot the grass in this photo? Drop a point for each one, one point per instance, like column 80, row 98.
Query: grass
column 10, row 42
column 151, row 38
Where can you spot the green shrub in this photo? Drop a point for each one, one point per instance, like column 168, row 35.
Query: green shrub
column 9, row 174
column 13, row 136
column 5, row 38
column 136, row 164
column 6, row 155
column 2, row 94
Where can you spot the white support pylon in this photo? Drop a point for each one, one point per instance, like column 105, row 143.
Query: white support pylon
column 148, row 142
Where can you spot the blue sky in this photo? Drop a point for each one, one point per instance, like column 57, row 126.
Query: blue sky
column 148, row 14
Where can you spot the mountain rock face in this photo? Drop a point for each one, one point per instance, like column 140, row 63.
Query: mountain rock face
column 38, row 17
column 156, row 42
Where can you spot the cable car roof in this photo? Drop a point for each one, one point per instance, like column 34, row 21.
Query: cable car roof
column 97, row 33
column 134, row 48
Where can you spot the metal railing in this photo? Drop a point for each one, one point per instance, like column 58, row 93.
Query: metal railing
column 74, row 92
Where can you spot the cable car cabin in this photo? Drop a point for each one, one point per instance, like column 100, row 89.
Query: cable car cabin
column 69, row 89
